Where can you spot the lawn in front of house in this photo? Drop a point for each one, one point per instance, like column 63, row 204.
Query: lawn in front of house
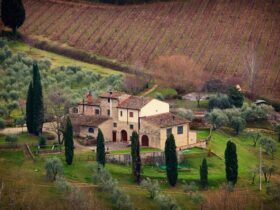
column 80, row 171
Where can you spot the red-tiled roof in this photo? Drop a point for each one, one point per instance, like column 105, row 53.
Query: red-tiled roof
column 113, row 94
column 165, row 120
column 134, row 102
column 87, row 120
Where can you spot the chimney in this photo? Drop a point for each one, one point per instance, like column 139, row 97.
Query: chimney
column 89, row 98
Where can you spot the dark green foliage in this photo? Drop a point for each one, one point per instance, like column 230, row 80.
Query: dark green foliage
column 38, row 109
column 219, row 101
column 100, row 150
column 2, row 124
column 13, row 14
column 204, row 174
column 68, row 142
column 171, row 160
column 236, row 97
column 11, row 139
column 136, row 159
column 231, row 163
column 42, row 141
column 29, row 109
column 34, row 104
column 238, row 124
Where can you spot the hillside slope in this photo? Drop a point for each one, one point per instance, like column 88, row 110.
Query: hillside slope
column 216, row 34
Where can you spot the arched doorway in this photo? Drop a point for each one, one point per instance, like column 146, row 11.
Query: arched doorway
column 124, row 136
column 145, row 141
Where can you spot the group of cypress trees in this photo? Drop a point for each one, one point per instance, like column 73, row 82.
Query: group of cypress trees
column 231, row 164
column 34, row 104
column 13, row 14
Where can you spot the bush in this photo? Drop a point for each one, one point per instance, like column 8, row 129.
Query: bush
column 190, row 188
column 42, row 141
column 188, row 114
column 216, row 118
column 256, row 113
column 219, row 101
column 11, row 139
column 269, row 145
column 2, row 123
column 151, row 186
column 167, row 203
column 120, row 199
column 274, row 191
column 54, row 168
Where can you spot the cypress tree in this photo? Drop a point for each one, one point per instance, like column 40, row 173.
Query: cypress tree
column 171, row 160
column 136, row 159
column 231, row 163
column 68, row 142
column 38, row 107
column 100, row 150
column 13, row 14
column 29, row 109
column 204, row 174
column 236, row 97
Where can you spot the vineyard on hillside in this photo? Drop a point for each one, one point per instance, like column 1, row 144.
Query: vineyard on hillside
column 216, row 34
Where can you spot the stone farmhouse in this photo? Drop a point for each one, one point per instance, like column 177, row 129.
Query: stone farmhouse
column 118, row 114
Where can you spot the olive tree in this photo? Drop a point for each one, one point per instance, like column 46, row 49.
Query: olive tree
column 216, row 118
column 54, row 168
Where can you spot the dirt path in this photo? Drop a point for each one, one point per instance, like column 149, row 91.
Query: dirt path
column 147, row 92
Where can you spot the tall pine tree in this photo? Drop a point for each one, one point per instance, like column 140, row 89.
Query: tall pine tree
column 171, row 160
column 38, row 106
column 13, row 14
column 100, row 150
column 204, row 174
column 68, row 142
column 136, row 159
column 231, row 163
column 29, row 109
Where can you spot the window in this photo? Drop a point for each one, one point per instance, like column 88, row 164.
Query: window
column 130, row 114
column 97, row 112
column 75, row 110
column 131, row 127
column 121, row 113
column 168, row 132
column 108, row 100
column 108, row 112
column 180, row 130
column 91, row 130
column 115, row 125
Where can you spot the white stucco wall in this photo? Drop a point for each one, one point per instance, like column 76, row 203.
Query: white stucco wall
column 125, row 115
column 154, row 107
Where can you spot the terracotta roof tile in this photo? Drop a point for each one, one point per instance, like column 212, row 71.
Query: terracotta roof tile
column 134, row 102
column 114, row 94
column 87, row 120
column 165, row 120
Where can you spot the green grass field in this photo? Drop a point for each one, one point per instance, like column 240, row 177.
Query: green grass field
column 58, row 60
column 80, row 170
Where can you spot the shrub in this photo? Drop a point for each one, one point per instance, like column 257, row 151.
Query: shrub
column 11, row 139
column 42, row 141
column 120, row 199
column 190, row 188
column 269, row 145
column 159, row 96
column 2, row 123
column 216, row 118
column 219, row 101
column 151, row 186
column 167, row 203
column 274, row 191
column 256, row 113
column 54, row 168
column 188, row 114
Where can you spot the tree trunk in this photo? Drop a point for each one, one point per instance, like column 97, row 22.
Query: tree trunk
column 15, row 32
